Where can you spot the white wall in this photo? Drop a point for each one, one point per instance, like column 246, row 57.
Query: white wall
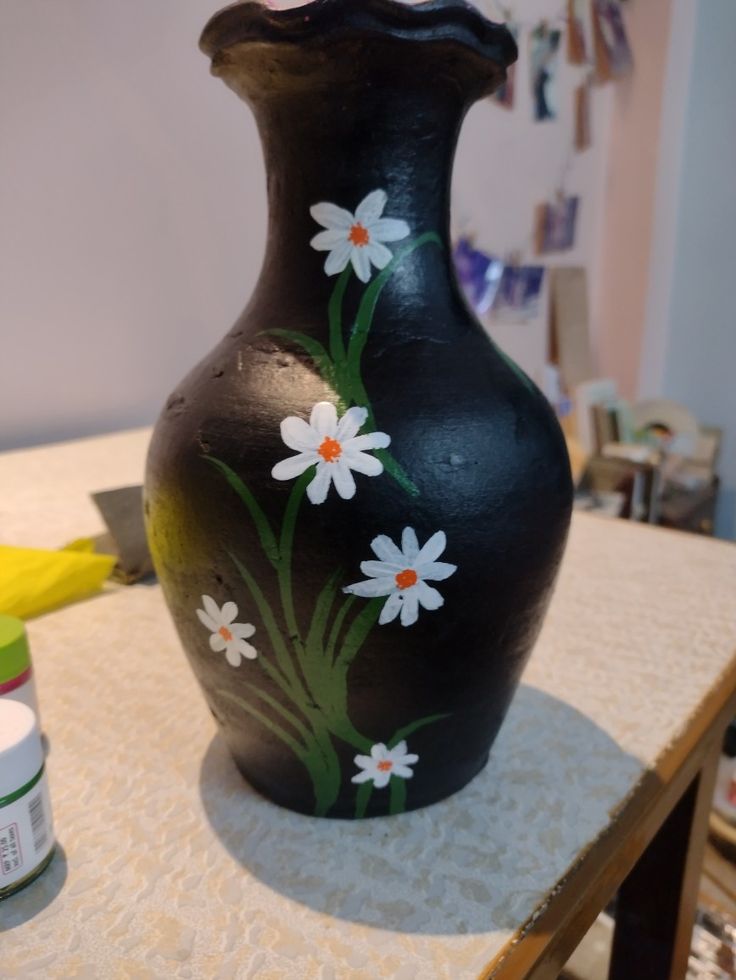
column 690, row 342
column 133, row 205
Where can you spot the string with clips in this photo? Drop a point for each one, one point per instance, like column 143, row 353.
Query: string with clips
column 561, row 20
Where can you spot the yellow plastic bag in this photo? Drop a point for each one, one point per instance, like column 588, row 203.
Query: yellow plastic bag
column 33, row 581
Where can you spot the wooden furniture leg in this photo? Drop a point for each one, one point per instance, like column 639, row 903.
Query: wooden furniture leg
column 657, row 901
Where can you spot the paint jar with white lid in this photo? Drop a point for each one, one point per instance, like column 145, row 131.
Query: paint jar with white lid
column 16, row 671
column 26, row 828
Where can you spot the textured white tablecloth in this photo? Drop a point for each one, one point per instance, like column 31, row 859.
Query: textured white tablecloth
column 170, row 866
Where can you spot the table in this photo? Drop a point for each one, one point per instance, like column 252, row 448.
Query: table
column 170, row 866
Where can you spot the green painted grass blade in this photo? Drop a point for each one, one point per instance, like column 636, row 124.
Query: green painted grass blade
column 322, row 610
column 341, row 726
column 362, row 798
column 280, row 649
column 322, row 360
column 265, row 533
column 335, row 686
column 336, row 627
column 268, row 723
column 272, row 671
column 398, row 795
column 358, row 632
column 283, row 712
column 326, row 778
column 367, row 308
column 390, row 463
column 414, row 727
column 337, row 343
column 396, row 470
column 323, row 768
column 286, row 548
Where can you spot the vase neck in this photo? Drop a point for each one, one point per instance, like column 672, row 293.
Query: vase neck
column 350, row 99
column 340, row 150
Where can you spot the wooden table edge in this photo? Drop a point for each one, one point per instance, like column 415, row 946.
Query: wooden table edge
column 543, row 945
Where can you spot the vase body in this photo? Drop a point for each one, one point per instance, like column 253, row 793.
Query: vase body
column 356, row 505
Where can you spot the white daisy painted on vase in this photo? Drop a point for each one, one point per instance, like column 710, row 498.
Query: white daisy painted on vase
column 358, row 238
column 402, row 574
column 334, row 447
column 383, row 763
column 227, row 636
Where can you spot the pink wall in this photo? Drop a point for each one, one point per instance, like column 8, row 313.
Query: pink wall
column 622, row 282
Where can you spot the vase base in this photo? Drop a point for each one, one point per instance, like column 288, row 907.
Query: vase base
column 378, row 805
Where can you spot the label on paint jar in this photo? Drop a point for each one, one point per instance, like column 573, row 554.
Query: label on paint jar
column 26, row 833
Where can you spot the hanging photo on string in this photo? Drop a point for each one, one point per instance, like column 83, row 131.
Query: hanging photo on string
column 504, row 95
column 544, row 57
column 555, row 225
column 478, row 273
column 579, row 32
column 583, row 132
column 613, row 56
column 518, row 299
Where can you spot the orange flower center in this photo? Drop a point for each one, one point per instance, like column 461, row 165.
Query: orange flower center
column 385, row 766
column 407, row 578
column 359, row 236
column 225, row 634
column 330, row 450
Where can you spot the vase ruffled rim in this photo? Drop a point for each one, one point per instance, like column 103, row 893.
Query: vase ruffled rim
column 455, row 21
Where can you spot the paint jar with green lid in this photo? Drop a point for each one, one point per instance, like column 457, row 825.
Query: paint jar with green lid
column 26, row 828
column 16, row 671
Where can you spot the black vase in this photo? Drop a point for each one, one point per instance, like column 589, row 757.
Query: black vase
column 356, row 504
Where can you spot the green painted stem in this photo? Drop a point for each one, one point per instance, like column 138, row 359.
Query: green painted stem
column 286, row 548
column 326, row 777
column 325, row 602
column 363, row 323
column 367, row 308
column 390, row 463
column 358, row 632
column 335, row 690
column 336, row 627
column 320, row 757
column 408, row 730
column 398, row 795
column 343, row 728
column 337, row 343
column 313, row 661
column 362, row 798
